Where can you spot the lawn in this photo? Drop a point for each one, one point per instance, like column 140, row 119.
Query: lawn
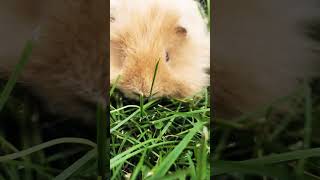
column 266, row 144
column 150, row 139
column 159, row 138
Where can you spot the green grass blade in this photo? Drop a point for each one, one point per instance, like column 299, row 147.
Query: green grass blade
column 307, row 126
column 67, row 173
column 116, row 158
column 131, row 116
column 124, row 121
column 133, row 151
column 12, row 173
column 201, row 157
column 141, row 105
column 192, row 167
column 46, row 145
column 165, row 165
column 227, row 167
column 116, row 173
column 15, row 74
column 154, row 77
column 269, row 160
column 5, row 144
column 138, row 167
column 43, row 171
column 114, row 86
column 180, row 174
column 101, row 141
column 65, row 154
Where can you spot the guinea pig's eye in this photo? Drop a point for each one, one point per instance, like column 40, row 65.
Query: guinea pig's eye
column 112, row 19
column 181, row 31
column 167, row 56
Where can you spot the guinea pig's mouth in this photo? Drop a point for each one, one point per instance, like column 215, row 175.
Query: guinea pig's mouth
column 137, row 96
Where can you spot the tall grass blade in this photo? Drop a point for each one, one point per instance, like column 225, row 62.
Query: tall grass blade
column 138, row 167
column 267, row 160
column 165, row 165
column 67, row 173
column 114, row 86
column 228, row 167
column 154, row 77
column 15, row 74
column 101, row 141
column 45, row 145
column 201, row 157
column 141, row 98
column 307, row 126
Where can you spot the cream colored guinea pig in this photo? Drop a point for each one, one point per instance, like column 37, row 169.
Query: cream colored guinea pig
column 261, row 51
column 67, row 69
column 172, row 32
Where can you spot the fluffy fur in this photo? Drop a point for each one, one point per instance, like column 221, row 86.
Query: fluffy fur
column 67, row 69
column 261, row 51
column 145, row 32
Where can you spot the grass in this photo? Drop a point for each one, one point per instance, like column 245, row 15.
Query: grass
column 169, row 140
column 165, row 142
column 151, row 139
column 159, row 139
column 269, row 145
column 31, row 162
column 15, row 74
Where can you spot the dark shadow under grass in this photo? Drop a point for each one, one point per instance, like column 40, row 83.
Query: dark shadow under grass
column 272, row 145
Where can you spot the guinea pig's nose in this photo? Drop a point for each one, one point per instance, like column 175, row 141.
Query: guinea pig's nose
column 141, row 90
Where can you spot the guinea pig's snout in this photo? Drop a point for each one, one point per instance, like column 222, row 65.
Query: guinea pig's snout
column 143, row 89
column 141, row 92
column 139, row 84
column 137, row 93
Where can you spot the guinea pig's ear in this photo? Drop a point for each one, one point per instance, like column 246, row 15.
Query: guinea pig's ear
column 181, row 31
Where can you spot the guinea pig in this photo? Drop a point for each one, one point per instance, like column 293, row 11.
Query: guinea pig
column 68, row 66
column 67, row 70
column 173, row 34
column 262, row 51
